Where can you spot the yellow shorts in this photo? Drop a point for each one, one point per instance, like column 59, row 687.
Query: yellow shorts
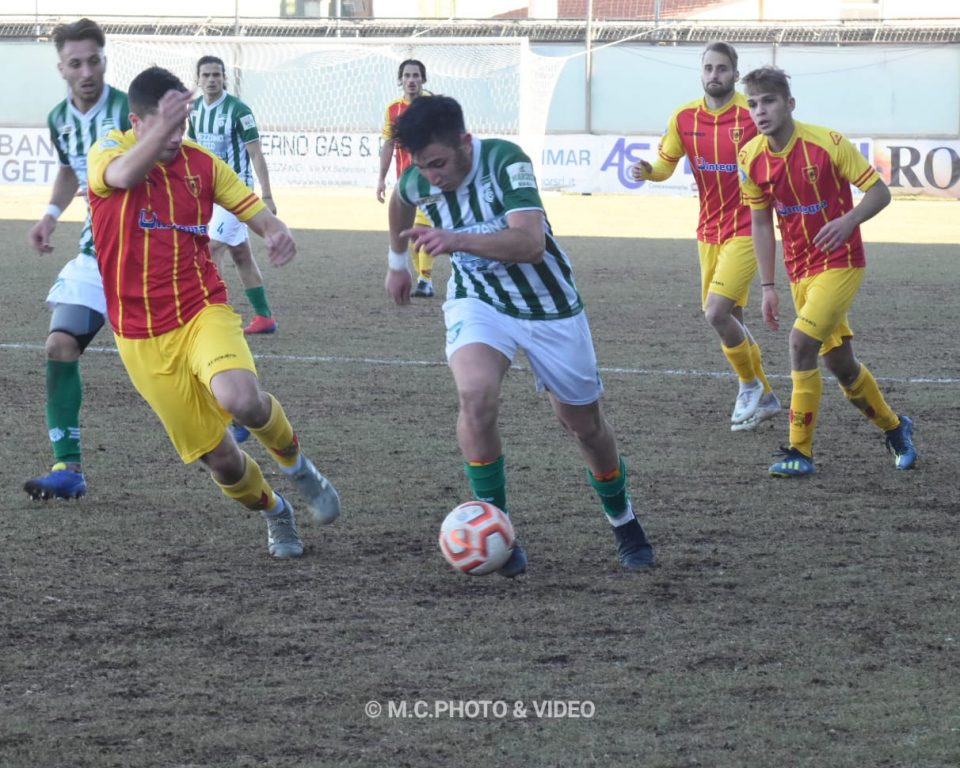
column 822, row 302
column 727, row 269
column 172, row 372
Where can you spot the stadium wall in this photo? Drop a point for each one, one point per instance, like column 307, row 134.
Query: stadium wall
column 907, row 121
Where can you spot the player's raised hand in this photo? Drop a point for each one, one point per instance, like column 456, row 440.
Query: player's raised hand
column 281, row 247
column 174, row 108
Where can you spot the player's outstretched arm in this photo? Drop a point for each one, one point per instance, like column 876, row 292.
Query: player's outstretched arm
column 65, row 187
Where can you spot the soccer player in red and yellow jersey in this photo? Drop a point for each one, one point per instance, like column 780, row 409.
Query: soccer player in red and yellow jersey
column 710, row 132
column 411, row 75
column 151, row 196
column 805, row 172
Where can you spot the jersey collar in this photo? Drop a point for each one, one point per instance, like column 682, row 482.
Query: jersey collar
column 94, row 110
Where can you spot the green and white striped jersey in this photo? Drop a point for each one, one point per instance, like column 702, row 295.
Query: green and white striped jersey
column 73, row 133
column 225, row 128
column 500, row 181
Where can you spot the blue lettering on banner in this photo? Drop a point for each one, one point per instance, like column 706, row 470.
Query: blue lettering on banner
column 566, row 157
column 622, row 156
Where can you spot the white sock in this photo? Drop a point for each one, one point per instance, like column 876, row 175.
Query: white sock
column 624, row 517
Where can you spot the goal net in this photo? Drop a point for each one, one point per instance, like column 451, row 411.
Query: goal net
column 320, row 102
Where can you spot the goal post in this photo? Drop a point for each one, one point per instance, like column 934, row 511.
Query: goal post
column 320, row 102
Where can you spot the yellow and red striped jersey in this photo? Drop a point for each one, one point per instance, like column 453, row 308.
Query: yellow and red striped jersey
column 394, row 110
column 151, row 240
column 711, row 140
column 808, row 184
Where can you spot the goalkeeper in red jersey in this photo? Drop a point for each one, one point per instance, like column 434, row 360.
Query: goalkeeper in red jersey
column 710, row 131
column 805, row 172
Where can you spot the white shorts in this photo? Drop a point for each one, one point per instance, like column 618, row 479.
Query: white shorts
column 226, row 228
column 79, row 282
column 560, row 352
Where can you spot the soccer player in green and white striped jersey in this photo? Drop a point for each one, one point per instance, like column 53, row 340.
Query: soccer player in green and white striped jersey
column 511, row 287
column 226, row 126
column 91, row 109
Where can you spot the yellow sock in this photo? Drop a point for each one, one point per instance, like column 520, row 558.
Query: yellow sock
column 252, row 490
column 804, row 404
column 758, row 367
column 278, row 437
column 741, row 360
column 866, row 396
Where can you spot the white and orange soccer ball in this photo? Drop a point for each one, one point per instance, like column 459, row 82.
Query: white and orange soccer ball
column 476, row 538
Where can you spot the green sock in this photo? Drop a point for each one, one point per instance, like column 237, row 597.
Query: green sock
column 489, row 482
column 258, row 300
column 64, row 395
column 612, row 493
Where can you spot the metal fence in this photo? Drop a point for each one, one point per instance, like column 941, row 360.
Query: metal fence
column 596, row 30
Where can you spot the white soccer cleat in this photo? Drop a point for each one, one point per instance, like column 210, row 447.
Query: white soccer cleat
column 768, row 408
column 323, row 501
column 747, row 403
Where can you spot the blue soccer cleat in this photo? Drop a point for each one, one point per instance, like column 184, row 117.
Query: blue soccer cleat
column 58, row 483
column 793, row 464
column 633, row 548
column 516, row 563
column 900, row 444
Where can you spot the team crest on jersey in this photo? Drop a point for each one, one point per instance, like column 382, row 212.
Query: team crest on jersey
column 221, row 122
column 736, row 134
column 812, row 173
column 193, row 184
column 66, row 130
column 488, row 194
column 248, row 122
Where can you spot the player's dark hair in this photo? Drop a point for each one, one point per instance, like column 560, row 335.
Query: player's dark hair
column 82, row 29
column 767, row 79
column 147, row 88
column 724, row 49
column 416, row 63
column 430, row 120
column 211, row 60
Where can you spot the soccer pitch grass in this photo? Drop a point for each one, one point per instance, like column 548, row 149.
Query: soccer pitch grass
column 790, row 623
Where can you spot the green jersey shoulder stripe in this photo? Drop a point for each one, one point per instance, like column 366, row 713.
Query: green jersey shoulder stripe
column 73, row 133
column 225, row 128
column 500, row 181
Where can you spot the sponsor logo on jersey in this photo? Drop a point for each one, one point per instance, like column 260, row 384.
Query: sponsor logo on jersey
column 248, row 122
column 805, row 210
column 149, row 220
column 521, row 176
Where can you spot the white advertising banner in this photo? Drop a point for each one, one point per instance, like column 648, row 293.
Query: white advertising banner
column 579, row 163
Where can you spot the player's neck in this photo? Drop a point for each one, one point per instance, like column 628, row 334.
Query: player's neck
column 208, row 100
column 714, row 103
column 85, row 106
column 778, row 141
